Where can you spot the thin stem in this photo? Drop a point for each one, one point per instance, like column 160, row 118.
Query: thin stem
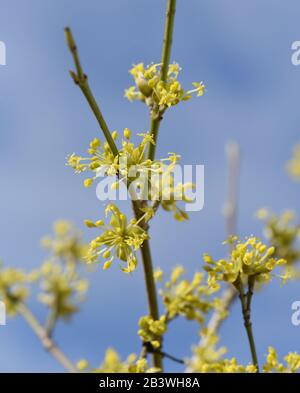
column 246, row 310
column 165, row 60
column 46, row 341
column 229, row 294
column 148, row 348
column 171, row 357
column 80, row 79
column 51, row 321
column 231, row 204
column 149, row 277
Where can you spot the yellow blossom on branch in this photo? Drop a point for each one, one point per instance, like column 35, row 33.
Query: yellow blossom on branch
column 248, row 258
column 119, row 239
column 151, row 89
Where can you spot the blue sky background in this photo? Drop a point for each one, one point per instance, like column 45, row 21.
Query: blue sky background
column 241, row 50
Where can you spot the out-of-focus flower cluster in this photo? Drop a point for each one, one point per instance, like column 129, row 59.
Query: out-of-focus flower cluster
column 13, row 288
column 272, row 365
column 118, row 239
column 112, row 363
column 65, row 244
column 62, row 288
column 190, row 299
column 248, row 258
column 293, row 166
column 156, row 93
column 209, row 359
column 283, row 232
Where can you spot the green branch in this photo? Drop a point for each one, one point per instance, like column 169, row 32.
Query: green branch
column 45, row 339
column 80, row 79
column 165, row 60
column 246, row 310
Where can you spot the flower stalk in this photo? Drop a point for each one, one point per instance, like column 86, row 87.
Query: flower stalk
column 165, row 60
column 245, row 299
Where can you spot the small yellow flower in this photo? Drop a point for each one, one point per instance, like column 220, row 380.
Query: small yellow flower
column 82, row 365
column 88, row 183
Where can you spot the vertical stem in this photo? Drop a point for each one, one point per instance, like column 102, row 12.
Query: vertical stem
column 246, row 310
column 231, row 204
column 151, row 293
column 168, row 38
column 149, row 277
column 229, row 295
column 165, row 60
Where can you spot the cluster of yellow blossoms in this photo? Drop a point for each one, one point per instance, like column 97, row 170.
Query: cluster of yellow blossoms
column 112, row 363
column 151, row 331
column 145, row 179
column 283, row 232
column 119, row 239
column 292, row 363
column 62, row 289
column 248, row 258
column 13, row 289
column 101, row 161
column 60, row 286
column 210, row 359
column 65, row 244
column 190, row 299
column 156, row 93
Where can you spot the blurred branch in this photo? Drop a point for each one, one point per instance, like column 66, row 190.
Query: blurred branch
column 46, row 341
column 229, row 295
column 51, row 321
column 231, row 204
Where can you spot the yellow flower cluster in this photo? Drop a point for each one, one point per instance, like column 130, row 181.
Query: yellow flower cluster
column 190, row 299
column 154, row 180
column 293, row 166
column 119, row 239
column 101, row 161
column 248, row 258
column 62, row 289
column 112, row 363
column 151, row 331
column 209, row 359
column 156, row 93
column 169, row 193
column 283, row 232
column 65, row 244
column 13, row 289
column 272, row 365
